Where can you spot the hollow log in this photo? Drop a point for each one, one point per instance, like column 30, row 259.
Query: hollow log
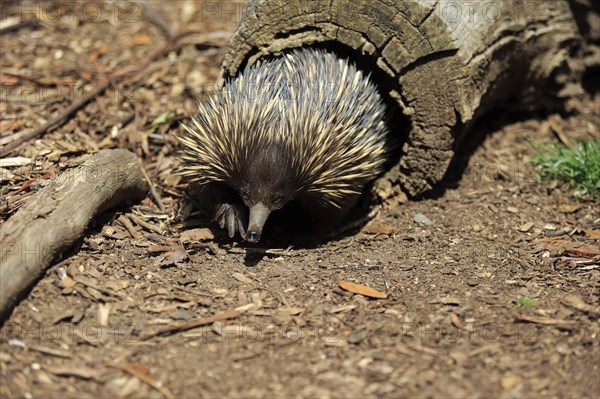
column 441, row 64
column 56, row 217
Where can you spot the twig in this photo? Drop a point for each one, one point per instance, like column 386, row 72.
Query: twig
column 230, row 314
column 10, row 138
column 156, row 19
column 19, row 25
column 85, row 282
column 261, row 251
column 549, row 321
column 154, row 193
column 142, row 223
column 126, row 222
column 42, row 81
column 126, row 120
column 203, row 37
column 134, row 134
column 156, row 249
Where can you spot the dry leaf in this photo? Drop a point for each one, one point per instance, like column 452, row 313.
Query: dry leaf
column 456, row 321
column 85, row 373
column 336, row 342
column 195, row 235
column 15, row 161
column 50, row 351
column 448, row 300
column 94, row 55
column 510, row 382
column 571, row 248
column 103, row 314
column 241, row 278
column 234, row 330
column 164, row 248
column 361, row 289
column 290, row 310
column 67, row 282
column 143, row 373
column 245, row 308
column 594, row 234
column 342, row 308
column 557, row 124
column 568, row 208
column 579, row 304
column 379, row 229
column 142, row 40
column 174, row 257
column 117, row 285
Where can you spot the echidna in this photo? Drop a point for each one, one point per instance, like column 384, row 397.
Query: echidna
column 308, row 126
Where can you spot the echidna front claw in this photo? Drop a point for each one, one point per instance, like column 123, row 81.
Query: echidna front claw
column 233, row 217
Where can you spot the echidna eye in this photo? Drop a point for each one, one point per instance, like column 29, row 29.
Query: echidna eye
column 278, row 199
column 245, row 194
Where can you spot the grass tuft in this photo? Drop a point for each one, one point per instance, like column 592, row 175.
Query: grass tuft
column 576, row 167
column 526, row 301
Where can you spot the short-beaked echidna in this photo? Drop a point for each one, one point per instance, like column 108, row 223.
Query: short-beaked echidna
column 308, row 126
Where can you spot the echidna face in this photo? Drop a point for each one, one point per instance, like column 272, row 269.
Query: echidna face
column 266, row 177
column 265, row 183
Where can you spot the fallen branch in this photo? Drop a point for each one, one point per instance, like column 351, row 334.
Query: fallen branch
column 56, row 216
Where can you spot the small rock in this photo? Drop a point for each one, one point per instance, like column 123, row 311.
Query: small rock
column 422, row 219
column 358, row 336
column 16, row 342
column 526, row 227
column 117, row 285
column 510, row 382
column 176, row 90
column 67, row 282
column 182, row 314
column 449, row 300
column 241, row 278
column 187, row 280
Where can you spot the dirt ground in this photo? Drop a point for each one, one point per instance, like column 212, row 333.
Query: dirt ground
column 492, row 282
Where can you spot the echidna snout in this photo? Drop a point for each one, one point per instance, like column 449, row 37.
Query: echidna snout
column 258, row 216
column 308, row 127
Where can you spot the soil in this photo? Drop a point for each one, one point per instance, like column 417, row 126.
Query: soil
column 492, row 283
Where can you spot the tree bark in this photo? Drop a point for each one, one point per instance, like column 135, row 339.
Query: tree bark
column 441, row 63
column 55, row 217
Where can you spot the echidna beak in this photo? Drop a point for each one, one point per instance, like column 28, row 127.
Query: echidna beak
column 258, row 216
